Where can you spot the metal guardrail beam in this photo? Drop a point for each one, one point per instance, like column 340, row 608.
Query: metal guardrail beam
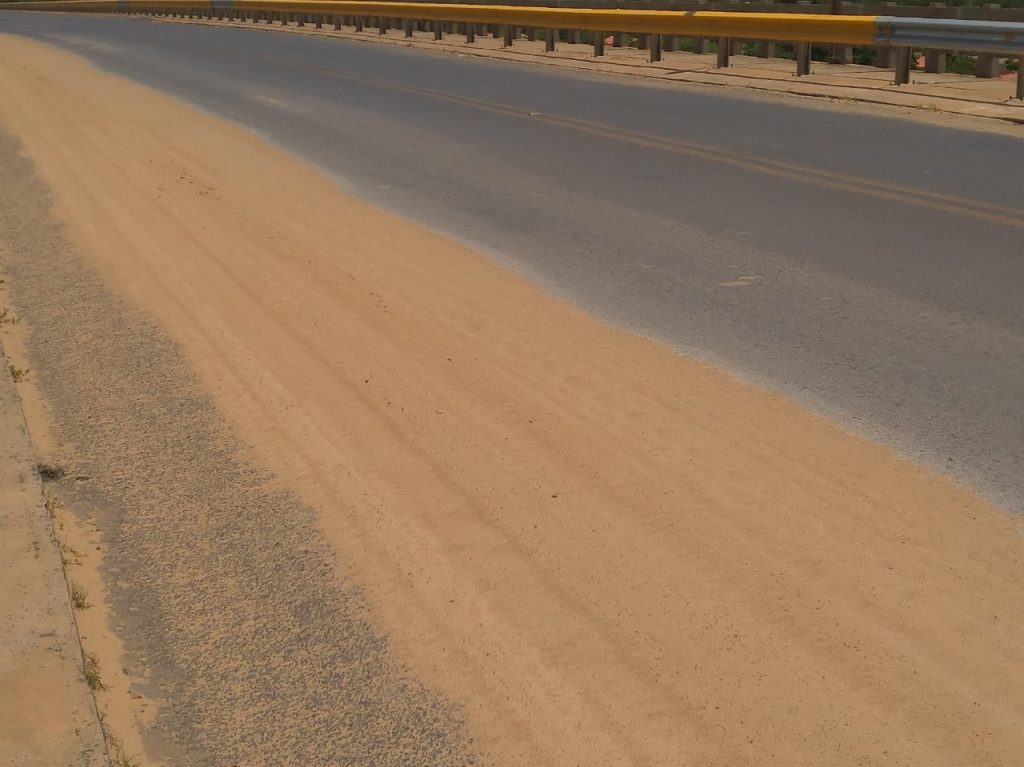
column 851, row 30
column 1005, row 38
column 1000, row 38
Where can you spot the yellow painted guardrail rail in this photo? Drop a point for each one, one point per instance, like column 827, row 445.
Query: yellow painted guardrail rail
column 795, row 27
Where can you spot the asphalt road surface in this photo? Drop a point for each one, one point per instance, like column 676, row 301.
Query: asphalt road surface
column 870, row 267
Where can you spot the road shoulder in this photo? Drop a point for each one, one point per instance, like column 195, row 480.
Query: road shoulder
column 47, row 714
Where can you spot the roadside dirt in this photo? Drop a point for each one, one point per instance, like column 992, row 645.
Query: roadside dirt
column 603, row 552
column 223, row 633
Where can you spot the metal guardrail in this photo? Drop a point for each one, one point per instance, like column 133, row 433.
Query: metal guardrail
column 1006, row 38
column 902, row 34
column 854, row 30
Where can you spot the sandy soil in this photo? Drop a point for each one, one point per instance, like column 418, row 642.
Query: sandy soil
column 219, row 598
column 605, row 553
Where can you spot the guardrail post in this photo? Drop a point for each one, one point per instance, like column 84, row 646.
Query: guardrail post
column 1020, row 78
column 506, row 36
column 359, row 22
column 616, row 39
column 803, row 59
column 655, row 50
column 438, row 30
column 382, row 26
column 336, row 19
column 723, row 53
column 934, row 62
column 407, row 27
column 987, row 66
column 470, row 33
column 902, row 66
column 550, row 35
column 598, row 43
column 840, row 54
column 531, row 34
column 701, row 45
column 668, row 43
column 884, row 58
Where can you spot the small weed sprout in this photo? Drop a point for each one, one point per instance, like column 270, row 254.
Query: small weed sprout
column 79, row 596
column 92, row 672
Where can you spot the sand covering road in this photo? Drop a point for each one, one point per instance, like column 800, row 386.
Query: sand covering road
column 605, row 553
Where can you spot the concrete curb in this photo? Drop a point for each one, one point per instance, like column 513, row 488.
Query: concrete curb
column 48, row 716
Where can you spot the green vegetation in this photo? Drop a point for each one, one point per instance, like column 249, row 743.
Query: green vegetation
column 91, row 670
column 79, row 596
column 118, row 758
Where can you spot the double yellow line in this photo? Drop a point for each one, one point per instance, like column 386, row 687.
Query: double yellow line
column 905, row 195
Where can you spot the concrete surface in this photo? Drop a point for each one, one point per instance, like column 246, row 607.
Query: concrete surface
column 47, row 714
column 877, row 281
